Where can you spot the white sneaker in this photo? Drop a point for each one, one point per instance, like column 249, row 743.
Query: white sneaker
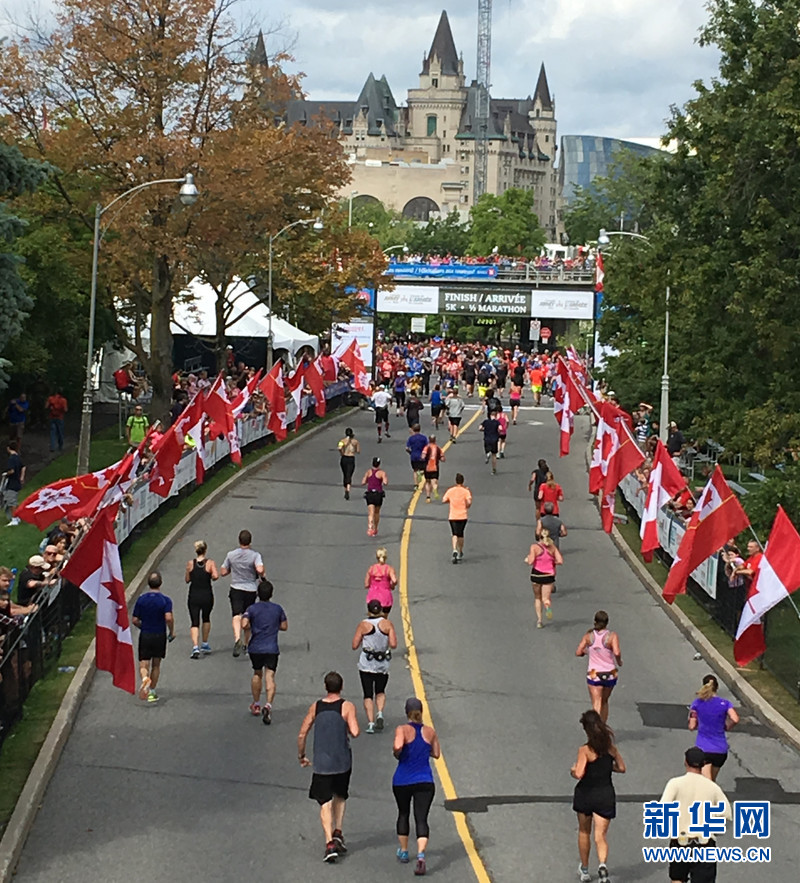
column 584, row 875
column 13, row 523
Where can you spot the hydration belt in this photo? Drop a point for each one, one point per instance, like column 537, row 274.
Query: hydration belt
column 378, row 655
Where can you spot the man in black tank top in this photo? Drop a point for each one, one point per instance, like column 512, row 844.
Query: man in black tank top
column 335, row 723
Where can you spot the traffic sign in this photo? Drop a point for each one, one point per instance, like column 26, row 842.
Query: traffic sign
column 546, row 333
column 534, row 330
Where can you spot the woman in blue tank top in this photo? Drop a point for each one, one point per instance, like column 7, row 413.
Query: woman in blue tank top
column 414, row 746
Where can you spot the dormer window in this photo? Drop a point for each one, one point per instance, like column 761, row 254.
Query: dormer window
column 435, row 82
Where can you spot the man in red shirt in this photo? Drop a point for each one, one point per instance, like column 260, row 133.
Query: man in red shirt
column 57, row 407
column 750, row 567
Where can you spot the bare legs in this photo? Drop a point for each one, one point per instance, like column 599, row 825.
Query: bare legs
column 256, row 683
column 600, row 697
column 585, row 837
column 373, row 518
column 331, row 814
column 541, row 599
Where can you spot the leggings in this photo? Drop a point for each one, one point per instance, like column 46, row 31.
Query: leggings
column 348, row 465
column 422, row 795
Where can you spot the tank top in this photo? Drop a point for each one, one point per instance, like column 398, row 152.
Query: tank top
column 544, row 562
column 380, row 585
column 598, row 772
column 331, row 740
column 375, row 642
column 348, row 447
column 601, row 658
column 199, row 579
column 436, row 398
column 434, row 457
column 373, row 482
column 414, row 763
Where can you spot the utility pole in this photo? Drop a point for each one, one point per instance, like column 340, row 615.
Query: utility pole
column 482, row 110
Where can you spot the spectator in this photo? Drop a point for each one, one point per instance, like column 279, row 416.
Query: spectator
column 17, row 415
column 675, row 441
column 33, row 580
column 57, row 407
column 15, row 476
column 750, row 566
column 7, row 606
column 65, row 529
column 137, row 426
column 733, row 560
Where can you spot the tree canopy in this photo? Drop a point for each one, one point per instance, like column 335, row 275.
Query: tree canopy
column 507, row 223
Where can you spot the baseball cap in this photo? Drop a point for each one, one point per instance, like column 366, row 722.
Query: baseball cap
column 695, row 757
column 374, row 606
column 413, row 704
column 36, row 561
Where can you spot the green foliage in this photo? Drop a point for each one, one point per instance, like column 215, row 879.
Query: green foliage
column 782, row 488
column 440, row 236
column 507, row 223
column 389, row 227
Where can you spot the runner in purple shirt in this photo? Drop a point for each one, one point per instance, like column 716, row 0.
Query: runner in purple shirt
column 712, row 716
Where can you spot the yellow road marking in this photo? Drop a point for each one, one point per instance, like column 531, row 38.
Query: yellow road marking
column 479, row 868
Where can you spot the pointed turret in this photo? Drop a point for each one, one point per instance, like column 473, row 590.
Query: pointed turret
column 444, row 48
column 258, row 54
column 542, row 93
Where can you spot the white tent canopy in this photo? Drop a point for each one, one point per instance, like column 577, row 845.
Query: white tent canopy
column 247, row 316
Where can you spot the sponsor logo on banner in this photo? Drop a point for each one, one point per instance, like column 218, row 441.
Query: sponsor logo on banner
column 563, row 304
column 409, row 299
column 486, row 302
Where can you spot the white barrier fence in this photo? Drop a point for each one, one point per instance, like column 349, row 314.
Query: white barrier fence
column 670, row 533
column 251, row 428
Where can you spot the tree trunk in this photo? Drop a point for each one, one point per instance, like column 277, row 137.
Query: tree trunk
column 219, row 311
column 161, row 342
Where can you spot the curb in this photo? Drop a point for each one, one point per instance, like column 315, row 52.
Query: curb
column 21, row 821
column 738, row 685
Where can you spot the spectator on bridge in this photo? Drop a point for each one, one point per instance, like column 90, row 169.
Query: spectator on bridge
column 675, row 441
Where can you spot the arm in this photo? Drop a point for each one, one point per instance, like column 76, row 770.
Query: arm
column 615, row 648
column 732, row 718
column 468, row 499
column 225, row 569
column 578, row 769
column 211, row 567
column 532, row 554
column 170, row 621
column 392, row 634
column 358, row 636
column 260, row 566
column 436, row 748
column 392, row 576
column 349, row 714
column 531, row 481
column 562, row 531
column 364, row 479
column 367, row 577
column 188, row 574
column 581, row 648
column 284, row 626
column 399, row 740
column 692, row 722
column 619, row 763
column 305, row 727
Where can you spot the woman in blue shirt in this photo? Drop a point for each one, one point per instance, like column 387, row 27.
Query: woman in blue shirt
column 712, row 716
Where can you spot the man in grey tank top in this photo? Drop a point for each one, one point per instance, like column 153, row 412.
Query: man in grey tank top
column 246, row 569
column 552, row 524
column 334, row 721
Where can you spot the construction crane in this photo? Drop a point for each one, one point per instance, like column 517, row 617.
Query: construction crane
column 482, row 109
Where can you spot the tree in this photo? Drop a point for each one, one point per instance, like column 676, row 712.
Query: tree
column 506, row 223
column 388, row 226
column 440, row 236
column 141, row 92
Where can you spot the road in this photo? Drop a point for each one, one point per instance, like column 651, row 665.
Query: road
column 196, row 789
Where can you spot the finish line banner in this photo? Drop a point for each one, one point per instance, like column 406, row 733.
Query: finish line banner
column 485, row 303
column 441, row 271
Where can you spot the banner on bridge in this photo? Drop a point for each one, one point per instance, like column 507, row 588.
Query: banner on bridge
column 441, row 271
column 485, row 302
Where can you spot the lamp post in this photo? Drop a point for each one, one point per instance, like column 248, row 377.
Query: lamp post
column 188, row 195
column 396, row 248
column 350, row 209
column 318, row 225
column 663, row 432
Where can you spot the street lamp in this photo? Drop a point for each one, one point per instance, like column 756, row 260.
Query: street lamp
column 604, row 239
column 396, row 248
column 188, row 195
column 318, row 225
column 350, row 210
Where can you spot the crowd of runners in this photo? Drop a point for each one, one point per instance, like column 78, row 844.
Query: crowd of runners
column 257, row 621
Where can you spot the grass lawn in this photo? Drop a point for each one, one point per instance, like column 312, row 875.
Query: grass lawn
column 21, row 746
column 783, row 653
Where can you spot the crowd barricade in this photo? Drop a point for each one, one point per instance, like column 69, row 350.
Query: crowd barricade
column 33, row 645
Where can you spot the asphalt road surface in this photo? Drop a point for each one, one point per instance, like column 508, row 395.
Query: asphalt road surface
column 195, row 788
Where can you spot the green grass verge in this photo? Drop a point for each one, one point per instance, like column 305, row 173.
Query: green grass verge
column 786, row 635
column 21, row 746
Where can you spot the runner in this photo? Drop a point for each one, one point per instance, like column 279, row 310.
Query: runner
column 712, row 717
column 490, row 428
column 460, row 499
column 382, row 399
column 501, row 446
column 414, row 408
column 200, row 573
column 375, row 479
column 336, row 722
column 543, row 558
column 537, row 479
column 245, row 568
column 469, row 376
column 550, row 492
column 552, row 524
column 432, row 456
column 514, row 400
column 414, row 746
column 264, row 620
column 376, row 637
column 595, row 799
column 605, row 658
column 380, row 582
column 152, row 615
column 348, row 448
column 416, row 444
column 400, row 392
column 454, row 405
column 436, row 405
column 536, row 375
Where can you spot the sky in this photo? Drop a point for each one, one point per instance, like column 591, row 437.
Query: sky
column 614, row 66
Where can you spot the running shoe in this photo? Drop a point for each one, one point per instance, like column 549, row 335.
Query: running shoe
column 427, row 499
column 237, row 648
column 602, row 874
column 370, row 728
column 455, row 557
column 494, row 472
column 379, row 721
column 436, row 494
column 338, row 839
column 266, row 715
column 331, row 853
column 255, row 709
column 379, row 439
column 195, row 652
column 419, row 869
column 347, row 495
column 205, row 647
column 387, row 434
column 487, row 457
column 539, row 624
column 402, row 856
column 502, row 455
column 548, row 611
column 144, row 690
column 584, row 875
column 460, row 554
column 152, row 697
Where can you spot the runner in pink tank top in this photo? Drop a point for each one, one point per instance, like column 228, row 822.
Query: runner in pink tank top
column 543, row 558
column 605, row 658
column 380, row 581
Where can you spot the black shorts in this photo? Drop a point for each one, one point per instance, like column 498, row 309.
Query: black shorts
column 373, row 683
column 455, row 420
column 381, row 415
column 325, row 787
column 418, row 465
column 457, row 527
column 490, row 447
column 374, row 498
column 400, row 398
column 716, row 758
column 700, row 872
column 436, row 410
column 152, row 646
column 542, row 579
column 200, row 606
column 264, row 660
column 241, row 600
column 429, row 476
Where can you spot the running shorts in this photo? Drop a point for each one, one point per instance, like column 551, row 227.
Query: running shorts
column 536, row 388
column 240, row 601
column 436, row 410
column 418, row 465
column 601, row 681
column 374, row 498
column 503, row 436
column 716, row 758
column 542, row 579
column 152, row 645
column 429, row 476
column 457, row 527
column 699, row 872
column 200, row 605
column 455, row 420
column 324, row 787
column 381, row 415
column 264, row 660
column 373, row 682
column 490, row 447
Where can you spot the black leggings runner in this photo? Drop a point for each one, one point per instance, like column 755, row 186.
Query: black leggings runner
column 348, row 465
column 422, row 795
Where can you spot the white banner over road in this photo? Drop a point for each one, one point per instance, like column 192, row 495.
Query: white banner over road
column 410, row 299
column 563, row 304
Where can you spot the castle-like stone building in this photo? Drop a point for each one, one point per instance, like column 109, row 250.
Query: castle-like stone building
column 419, row 158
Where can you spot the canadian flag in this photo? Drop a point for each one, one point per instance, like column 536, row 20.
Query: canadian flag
column 665, row 481
column 96, row 568
column 624, row 456
column 169, row 448
column 59, row 499
column 599, row 272
column 313, row 378
column 778, row 575
column 272, row 387
column 352, row 358
column 717, row 517
column 604, row 442
column 294, row 383
column 219, row 411
column 244, row 395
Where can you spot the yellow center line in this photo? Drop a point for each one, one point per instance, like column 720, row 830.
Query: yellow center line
column 479, row 868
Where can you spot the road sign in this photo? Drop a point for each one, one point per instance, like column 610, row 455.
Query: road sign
column 418, row 325
column 546, row 334
column 534, row 330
